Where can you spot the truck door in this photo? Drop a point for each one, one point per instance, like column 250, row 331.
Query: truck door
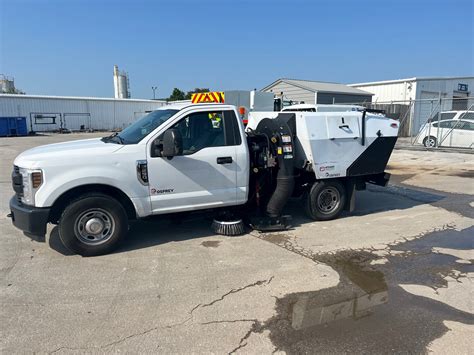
column 205, row 175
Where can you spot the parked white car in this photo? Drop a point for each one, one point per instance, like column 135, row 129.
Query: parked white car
column 448, row 129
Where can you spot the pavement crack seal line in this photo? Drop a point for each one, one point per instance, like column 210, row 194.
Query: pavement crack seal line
column 235, row 290
column 229, row 321
column 232, row 291
column 108, row 344
column 256, row 327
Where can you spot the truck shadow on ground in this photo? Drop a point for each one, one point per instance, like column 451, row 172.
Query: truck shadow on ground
column 375, row 199
column 179, row 227
column 152, row 232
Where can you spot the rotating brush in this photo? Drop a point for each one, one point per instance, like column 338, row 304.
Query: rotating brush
column 228, row 224
column 231, row 228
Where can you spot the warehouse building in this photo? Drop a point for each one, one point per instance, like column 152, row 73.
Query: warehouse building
column 55, row 113
column 423, row 97
column 316, row 92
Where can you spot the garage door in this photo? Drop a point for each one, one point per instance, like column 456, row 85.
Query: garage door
column 77, row 121
column 428, row 105
column 460, row 101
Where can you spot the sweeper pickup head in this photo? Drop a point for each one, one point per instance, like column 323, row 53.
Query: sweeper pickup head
column 228, row 224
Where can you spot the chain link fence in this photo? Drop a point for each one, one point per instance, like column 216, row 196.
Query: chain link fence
column 433, row 123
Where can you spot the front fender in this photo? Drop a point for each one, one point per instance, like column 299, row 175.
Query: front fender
column 60, row 180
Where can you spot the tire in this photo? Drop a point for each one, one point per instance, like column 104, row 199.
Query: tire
column 429, row 142
column 94, row 224
column 325, row 200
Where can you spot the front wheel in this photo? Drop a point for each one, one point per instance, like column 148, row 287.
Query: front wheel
column 429, row 142
column 325, row 200
column 94, row 224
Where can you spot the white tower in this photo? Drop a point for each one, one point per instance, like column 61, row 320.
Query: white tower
column 121, row 84
column 7, row 85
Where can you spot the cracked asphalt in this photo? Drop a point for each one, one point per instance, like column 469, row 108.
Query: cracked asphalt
column 395, row 276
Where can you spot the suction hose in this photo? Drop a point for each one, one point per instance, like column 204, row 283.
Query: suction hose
column 281, row 137
column 281, row 195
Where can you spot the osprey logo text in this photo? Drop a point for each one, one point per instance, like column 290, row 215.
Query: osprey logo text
column 161, row 191
column 327, row 168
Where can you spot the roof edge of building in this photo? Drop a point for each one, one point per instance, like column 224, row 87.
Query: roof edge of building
column 395, row 81
column 78, row 98
column 273, row 83
column 291, row 82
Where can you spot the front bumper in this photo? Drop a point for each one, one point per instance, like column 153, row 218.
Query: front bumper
column 29, row 219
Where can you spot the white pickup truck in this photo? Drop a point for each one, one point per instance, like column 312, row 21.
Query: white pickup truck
column 198, row 156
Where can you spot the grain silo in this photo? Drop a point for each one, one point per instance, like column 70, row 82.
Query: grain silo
column 121, row 84
column 7, row 84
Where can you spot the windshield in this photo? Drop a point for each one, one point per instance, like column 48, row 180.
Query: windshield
column 144, row 126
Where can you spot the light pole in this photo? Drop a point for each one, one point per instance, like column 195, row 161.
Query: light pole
column 154, row 89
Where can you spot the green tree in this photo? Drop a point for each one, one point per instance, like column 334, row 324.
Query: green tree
column 195, row 91
column 176, row 95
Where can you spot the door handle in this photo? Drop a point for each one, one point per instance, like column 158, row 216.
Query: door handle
column 224, row 160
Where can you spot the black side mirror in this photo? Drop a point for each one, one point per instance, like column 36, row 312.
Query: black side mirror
column 157, row 147
column 172, row 143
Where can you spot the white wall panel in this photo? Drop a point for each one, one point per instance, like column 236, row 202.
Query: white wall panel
column 100, row 114
column 291, row 92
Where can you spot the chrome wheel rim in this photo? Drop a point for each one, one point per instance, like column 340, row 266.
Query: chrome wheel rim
column 94, row 226
column 431, row 142
column 328, row 200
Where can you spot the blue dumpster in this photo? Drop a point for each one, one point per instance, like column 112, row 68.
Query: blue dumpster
column 13, row 126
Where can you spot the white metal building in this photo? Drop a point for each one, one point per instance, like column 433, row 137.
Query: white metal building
column 316, row 92
column 50, row 113
column 423, row 95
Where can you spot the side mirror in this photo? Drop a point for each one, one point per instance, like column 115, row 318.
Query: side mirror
column 172, row 143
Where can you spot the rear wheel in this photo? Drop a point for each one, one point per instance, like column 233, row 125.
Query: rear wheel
column 94, row 224
column 429, row 142
column 325, row 200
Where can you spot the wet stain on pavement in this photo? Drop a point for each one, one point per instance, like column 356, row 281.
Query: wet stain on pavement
column 368, row 312
column 211, row 243
column 457, row 203
column 276, row 238
column 461, row 173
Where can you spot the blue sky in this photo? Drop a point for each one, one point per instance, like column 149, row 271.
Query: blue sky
column 69, row 47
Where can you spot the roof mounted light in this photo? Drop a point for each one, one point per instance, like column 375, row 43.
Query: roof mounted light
column 204, row 97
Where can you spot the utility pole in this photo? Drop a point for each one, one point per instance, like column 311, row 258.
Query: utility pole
column 154, row 89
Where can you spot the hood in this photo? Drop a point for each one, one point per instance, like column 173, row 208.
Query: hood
column 57, row 153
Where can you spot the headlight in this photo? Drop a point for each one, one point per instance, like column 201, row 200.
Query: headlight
column 32, row 180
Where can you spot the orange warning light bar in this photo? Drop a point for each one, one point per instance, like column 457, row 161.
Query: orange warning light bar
column 203, row 97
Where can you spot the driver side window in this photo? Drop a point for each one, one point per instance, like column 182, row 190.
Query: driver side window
column 201, row 130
